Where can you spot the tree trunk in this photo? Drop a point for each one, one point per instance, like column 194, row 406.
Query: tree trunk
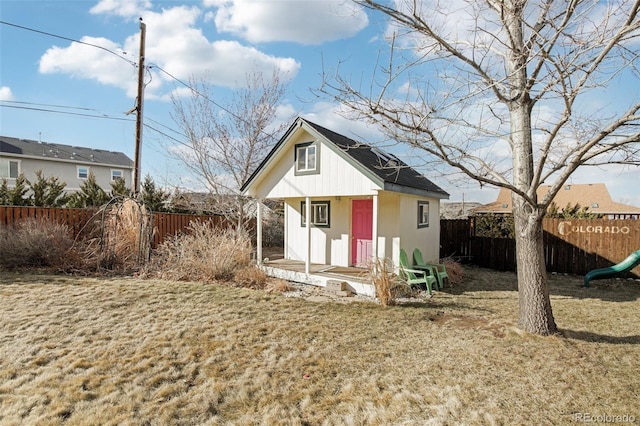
column 535, row 314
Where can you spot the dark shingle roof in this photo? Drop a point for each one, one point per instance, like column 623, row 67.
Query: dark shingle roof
column 54, row 151
column 388, row 167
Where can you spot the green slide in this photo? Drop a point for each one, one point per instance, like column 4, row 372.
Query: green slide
column 626, row 265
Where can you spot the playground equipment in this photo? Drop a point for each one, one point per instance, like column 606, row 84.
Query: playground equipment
column 626, row 265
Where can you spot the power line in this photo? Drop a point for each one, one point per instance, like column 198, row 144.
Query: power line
column 50, row 105
column 68, row 39
column 104, row 116
column 194, row 90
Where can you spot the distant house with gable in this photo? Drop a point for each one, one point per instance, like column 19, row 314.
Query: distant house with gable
column 71, row 164
column 593, row 196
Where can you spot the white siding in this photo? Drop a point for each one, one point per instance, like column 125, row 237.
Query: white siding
column 67, row 171
column 328, row 245
column 411, row 237
column 336, row 178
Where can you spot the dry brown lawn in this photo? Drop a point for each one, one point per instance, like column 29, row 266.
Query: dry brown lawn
column 86, row 351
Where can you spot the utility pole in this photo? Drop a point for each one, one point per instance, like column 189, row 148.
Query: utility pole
column 135, row 186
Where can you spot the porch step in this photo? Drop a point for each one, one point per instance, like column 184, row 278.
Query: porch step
column 334, row 285
column 339, row 288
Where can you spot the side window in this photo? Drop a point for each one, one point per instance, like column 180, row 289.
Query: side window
column 423, row 214
column 320, row 214
column 116, row 174
column 14, row 169
column 83, row 172
column 307, row 158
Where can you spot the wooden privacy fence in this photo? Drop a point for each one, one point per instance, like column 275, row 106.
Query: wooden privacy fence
column 572, row 246
column 165, row 224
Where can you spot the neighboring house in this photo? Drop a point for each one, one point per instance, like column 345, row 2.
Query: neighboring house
column 594, row 196
column 360, row 201
column 70, row 164
column 457, row 210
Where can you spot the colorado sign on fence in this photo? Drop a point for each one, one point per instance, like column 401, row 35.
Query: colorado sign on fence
column 567, row 227
column 589, row 243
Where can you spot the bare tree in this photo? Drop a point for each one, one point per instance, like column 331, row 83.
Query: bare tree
column 504, row 92
column 227, row 140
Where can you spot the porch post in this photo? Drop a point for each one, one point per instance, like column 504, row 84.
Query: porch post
column 374, row 233
column 307, row 208
column 259, row 231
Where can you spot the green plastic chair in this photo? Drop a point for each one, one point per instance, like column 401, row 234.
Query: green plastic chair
column 436, row 269
column 414, row 276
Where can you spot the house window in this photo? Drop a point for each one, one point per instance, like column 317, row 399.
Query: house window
column 116, row 174
column 83, row 172
column 14, row 169
column 320, row 214
column 307, row 159
column 423, row 214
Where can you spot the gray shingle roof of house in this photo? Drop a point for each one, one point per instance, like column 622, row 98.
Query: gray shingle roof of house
column 396, row 175
column 386, row 166
column 56, row 151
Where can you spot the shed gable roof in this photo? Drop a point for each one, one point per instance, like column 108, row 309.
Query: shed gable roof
column 391, row 173
column 55, row 151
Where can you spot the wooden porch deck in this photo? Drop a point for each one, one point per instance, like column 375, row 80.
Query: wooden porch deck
column 357, row 279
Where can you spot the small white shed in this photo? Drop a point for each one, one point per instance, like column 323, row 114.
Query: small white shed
column 361, row 201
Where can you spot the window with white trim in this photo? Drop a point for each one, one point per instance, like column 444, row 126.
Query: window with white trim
column 116, row 174
column 306, row 158
column 14, row 169
column 9, row 169
column 423, row 214
column 320, row 214
column 83, row 172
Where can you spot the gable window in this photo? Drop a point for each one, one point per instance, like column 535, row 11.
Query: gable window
column 116, row 174
column 307, row 159
column 423, row 214
column 83, row 172
column 320, row 214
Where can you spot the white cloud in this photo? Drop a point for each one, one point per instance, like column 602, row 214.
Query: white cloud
column 6, row 94
column 173, row 43
column 123, row 8
column 82, row 61
column 305, row 22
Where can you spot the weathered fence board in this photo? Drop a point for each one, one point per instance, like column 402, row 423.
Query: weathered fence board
column 166, row 224
column 572, row 246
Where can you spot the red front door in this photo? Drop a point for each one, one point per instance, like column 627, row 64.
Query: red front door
column 361, row 232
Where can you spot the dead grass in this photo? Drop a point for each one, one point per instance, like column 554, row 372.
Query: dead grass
column 83, row 351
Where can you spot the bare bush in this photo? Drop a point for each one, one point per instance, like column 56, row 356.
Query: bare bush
column 277, row 285
column 387, row 284
column 250, row 277
column 125, row 242
column 204, row 253
column 454, row 271
column 35, row 243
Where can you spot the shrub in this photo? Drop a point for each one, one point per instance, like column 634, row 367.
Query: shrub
column 454, row 271
column 125, row 240
column 250, row 277
column 35, row 243
column 204, row 253
column 387, row 284
column 277, row 285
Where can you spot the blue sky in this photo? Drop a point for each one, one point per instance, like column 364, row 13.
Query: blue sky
column 220, row 40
